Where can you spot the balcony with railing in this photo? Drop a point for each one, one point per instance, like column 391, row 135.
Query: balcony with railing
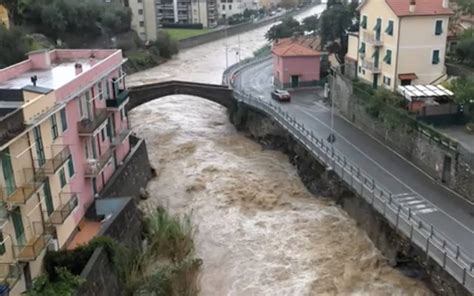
column 34, row 246
column 59, row 155
column 372, row 38
column 375, row 69
column 10, row 274
column 19, row 195
column 119, row 100
column 68, row 202
column 87, row 127
column 94, row 166
column 123, row 133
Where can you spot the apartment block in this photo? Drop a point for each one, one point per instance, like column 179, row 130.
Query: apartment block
column 63, row 132
column 144, row 18
column 4, row 19
column 400, row 42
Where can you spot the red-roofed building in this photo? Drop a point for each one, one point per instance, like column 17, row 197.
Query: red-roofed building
column 400, row 42
column 296, row 62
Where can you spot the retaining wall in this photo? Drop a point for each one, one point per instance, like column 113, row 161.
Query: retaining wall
column 132, row 175
column 419, row 148
column 395, row 246
column 234, row 30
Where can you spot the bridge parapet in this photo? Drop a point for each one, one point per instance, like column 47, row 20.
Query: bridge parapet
column 220, row 94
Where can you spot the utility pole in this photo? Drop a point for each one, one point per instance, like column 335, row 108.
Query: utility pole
column 225, row 43
column 332, row 137
column 238, row 42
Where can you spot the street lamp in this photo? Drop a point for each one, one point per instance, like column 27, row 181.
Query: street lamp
column 225, row 43
column 332, row 137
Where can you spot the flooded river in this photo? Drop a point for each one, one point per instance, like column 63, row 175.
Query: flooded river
column 258, row 230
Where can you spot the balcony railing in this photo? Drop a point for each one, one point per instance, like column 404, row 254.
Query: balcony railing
column 120, row 137
column 60, row 153
column 94, row 166
column 10, row 274
column 371, row 38
column 122, row 97
column 371, row 67
column 68, row 202
column 35, row 245
column 19, row 195
column 87, row 127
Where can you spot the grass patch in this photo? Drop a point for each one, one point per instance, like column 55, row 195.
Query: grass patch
column 180, row 34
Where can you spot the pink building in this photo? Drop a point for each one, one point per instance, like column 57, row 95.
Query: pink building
column 63, row 120
column 295, row 63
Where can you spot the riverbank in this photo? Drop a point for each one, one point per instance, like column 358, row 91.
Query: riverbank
column 394, row 245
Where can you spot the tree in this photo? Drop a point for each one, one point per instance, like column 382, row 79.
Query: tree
column 165, row 45
column 465, row 50
column 466, row 6
column 463, row 89
column 13, row 46
column 287, row 28
column 311, row 24
column 333, row 25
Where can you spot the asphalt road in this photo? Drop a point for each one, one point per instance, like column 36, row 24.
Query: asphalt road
column 445, row 210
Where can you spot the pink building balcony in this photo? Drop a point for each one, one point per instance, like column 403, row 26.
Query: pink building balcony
column 87, row 127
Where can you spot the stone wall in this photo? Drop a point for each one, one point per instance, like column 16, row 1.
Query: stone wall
column 125, row 226
column 100, row 279
column 420, row 149
column 132, row 175
column 233, row 30
column 394, row 246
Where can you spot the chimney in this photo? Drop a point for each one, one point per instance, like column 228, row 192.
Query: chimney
column 412, row 6
column 34, row 79
column 445, row 3
column 78, row 68
column 40, row 59
column 92, row 60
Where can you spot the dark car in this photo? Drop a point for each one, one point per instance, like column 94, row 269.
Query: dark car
column 281, row 95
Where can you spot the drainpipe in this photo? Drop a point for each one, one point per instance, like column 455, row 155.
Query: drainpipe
column 395, row 79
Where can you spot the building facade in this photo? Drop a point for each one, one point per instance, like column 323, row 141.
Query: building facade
column 400, row 42
column 4, row 19
column 295, row 63
column 64, row 131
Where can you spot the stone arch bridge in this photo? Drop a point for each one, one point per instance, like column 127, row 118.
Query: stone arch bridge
column 220, row 94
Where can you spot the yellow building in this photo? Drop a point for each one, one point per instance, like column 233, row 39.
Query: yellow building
column 4, row 16
column 400, row 42
column 36, row 201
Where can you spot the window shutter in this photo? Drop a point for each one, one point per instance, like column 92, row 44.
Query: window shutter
column 439, row 28
column 389, row 29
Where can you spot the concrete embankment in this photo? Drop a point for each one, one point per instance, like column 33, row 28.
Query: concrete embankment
column 237, row 29
column 395, row 246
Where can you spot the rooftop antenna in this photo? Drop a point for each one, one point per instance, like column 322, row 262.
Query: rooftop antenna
column 34, row 79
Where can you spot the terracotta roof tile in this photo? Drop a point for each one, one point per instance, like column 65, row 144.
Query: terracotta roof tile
column 423, row 7
column 288, row 47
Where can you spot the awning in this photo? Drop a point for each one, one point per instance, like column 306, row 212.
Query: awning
column 407, row 76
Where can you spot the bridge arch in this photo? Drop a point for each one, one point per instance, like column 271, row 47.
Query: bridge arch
column 220, row 94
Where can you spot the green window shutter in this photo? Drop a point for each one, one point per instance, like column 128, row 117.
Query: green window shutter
column 389, row 29
column 62, row 177
column 363, row 23
column 48, row 199
column 39, row 145
column 2, row 245
column 388, row 57
column 19, row 228
column 378, row 25
column 54, row 127
column 70, row 165
column 362, row 48
column 435, row 60
column 439, row 28
column 63, row 119
column 7, row 169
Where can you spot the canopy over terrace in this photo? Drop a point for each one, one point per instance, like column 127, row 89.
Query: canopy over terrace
column 429, row 100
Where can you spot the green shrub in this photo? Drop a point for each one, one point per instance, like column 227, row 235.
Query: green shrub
column 170, row 236
column 64, row 285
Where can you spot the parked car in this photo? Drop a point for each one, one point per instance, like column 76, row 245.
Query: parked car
column 281, row 95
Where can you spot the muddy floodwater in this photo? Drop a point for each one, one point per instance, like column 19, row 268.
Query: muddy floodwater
column 258, row 230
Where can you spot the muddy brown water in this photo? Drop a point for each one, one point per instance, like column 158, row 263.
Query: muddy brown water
column 258, row 230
